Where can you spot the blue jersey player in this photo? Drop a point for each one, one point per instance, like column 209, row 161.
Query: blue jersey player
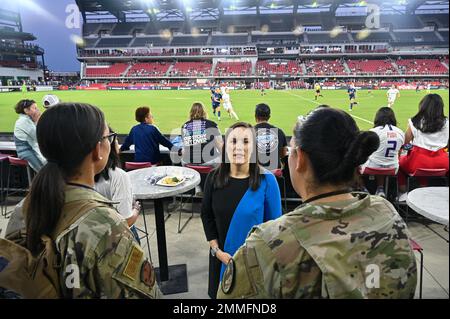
column 216, row 97
column 352, row 96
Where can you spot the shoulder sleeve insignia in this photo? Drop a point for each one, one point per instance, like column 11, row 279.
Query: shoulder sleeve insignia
column 134, row 260
column 148, row 274
column 228, row 277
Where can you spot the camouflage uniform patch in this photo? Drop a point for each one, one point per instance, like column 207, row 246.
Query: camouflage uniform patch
column 228, row 277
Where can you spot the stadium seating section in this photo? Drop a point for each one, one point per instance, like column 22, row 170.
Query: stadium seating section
column 153, row 69
column 376, row 67
column 266, row 68
column 322, row 67
column 233, row 69
column 191, row 69
column 421, row 66
column 114, row 70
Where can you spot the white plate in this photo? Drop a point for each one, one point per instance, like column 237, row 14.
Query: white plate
column 161, row 181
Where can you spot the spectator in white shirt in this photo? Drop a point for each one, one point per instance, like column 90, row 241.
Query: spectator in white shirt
column 114, row 184
column 428, row 131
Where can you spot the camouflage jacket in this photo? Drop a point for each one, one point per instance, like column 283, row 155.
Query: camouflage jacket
column 100, row 257
column 358, row 248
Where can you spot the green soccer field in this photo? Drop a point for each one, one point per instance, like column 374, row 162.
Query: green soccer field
column 171, row 108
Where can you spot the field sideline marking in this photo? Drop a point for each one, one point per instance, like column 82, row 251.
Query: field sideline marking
column 356, row 117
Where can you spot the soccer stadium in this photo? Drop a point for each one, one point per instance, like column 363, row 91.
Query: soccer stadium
column 187, row 152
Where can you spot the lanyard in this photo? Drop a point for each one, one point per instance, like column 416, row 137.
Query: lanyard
column 329, row 194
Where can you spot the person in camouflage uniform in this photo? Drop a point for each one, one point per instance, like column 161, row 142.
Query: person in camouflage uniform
column 337, row 244
column 99, row 257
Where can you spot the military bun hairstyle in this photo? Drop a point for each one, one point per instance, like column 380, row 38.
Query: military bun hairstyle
column 334, row 144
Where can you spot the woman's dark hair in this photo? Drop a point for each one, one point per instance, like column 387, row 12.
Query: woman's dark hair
column 385, row 116
column 66, row 134
column 142, row 113
column 222, row 173
column 262, row 112
column 430, row 118
column 22, row 105
column 334, row 144
column 113, row 161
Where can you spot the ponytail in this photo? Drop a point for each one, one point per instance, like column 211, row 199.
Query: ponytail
column 46, row 200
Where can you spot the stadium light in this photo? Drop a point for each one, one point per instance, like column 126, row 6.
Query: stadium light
column 314, row 4
column 188, row 9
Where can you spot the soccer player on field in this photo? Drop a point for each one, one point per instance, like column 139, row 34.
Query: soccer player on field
column 317, row 88
column 392, row 95
column 352, row 96
column 216, row 97
column 227, row 103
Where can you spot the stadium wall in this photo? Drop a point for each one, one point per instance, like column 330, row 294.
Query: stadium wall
column 20, row 73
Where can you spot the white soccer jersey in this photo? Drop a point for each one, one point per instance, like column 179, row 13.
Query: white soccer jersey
column 392, row 94
column 226, row 101
column 391, row 140
column 226, row 98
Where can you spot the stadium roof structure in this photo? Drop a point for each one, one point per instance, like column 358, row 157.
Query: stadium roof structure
column 191, row 10
column 11, row 27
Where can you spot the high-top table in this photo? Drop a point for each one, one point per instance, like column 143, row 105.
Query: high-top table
column 172, row 279
column 432, row 203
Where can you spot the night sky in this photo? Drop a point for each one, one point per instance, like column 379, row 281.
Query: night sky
column 46, row 20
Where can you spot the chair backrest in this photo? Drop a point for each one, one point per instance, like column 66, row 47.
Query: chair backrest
column 200, row 169
column 129, row 166
column 379, row 171
column 14, row 161
column 414, row 245
column 277, row 172
column 430, row 172
column 3, row 157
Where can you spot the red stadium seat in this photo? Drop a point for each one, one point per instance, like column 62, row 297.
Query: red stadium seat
column 130, row 166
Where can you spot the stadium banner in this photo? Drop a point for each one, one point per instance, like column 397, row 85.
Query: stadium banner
column 135, row 88
column 44, row 88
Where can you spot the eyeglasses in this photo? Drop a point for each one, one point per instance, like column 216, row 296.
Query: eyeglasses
column 111, row 137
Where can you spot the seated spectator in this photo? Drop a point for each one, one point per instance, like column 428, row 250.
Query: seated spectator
column 391, row 140
column 238, row 195
column 201, row 138
column 146, row 138
column 272, row 143
column 115, row 184
column 329, row 246
column 63, row 207
column 428, row 131
column 27, row 147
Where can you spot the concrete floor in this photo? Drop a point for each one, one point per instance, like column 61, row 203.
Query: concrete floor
column 190, row 248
